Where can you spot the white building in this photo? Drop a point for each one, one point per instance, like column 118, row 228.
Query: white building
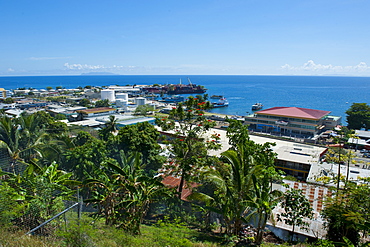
column 140, row 101
column 108, row 94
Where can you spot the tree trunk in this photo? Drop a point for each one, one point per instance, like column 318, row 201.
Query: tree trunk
column 181, row 185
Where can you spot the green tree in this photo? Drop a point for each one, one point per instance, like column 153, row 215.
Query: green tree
column 56, row 98
column 124, row 192
column 86, row 158
column 49, row 124
column 358, row 116
column 143, row 109
column 265, row 198
column 8, row 101
column 10, row 208
column 24, row 138
column 339, row 155
column 110, row 127
column 297, row 209
column 233, row 184
column 102, row 103
column 243, row 183
column 142, row 138
column 39, row 192
column 190, row 144
column 85, row 102
column 347, row 213
column 60, row 116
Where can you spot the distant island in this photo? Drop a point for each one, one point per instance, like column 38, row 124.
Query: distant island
column 99, row 73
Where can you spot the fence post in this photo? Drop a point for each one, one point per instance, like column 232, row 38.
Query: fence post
column 79, row 208
column 56, row 216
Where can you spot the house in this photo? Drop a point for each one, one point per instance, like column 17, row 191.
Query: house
column 294, row 121
column 94, row 112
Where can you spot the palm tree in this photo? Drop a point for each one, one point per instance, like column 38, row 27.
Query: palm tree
column 124, row 192
column 265, row 199
column 110, row 127
column 243, row 185
column 9, row 140
column 233, row 188
column 112, row 124
column 22, row 139
column 189, row 147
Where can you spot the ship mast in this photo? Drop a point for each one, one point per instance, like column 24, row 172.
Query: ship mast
column 190, row 81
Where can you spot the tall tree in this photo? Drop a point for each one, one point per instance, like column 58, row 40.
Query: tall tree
column 86, row 158
column 102, row 103
column 243, row 183
column 358, row 116
column 124, row 192
column 85, row 102
column 142, row 138
column 190, row 144
column 347, row 213
column 24, row 138
column 143, row 109
column 109, row 128
column 297, row 209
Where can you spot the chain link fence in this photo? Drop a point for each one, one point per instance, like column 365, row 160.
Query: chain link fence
column 33, row 206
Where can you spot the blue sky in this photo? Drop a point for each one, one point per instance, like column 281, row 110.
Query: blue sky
column 170, row 37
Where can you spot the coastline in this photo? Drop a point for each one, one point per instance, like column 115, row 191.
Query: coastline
column 312, row 92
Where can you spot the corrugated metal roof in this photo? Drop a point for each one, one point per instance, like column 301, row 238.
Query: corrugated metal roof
column 96, row 110
column 295, row 112
column 174, row 182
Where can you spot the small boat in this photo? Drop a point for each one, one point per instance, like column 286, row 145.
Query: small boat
column 257, row 106
column 216, row 97
column 221, row 103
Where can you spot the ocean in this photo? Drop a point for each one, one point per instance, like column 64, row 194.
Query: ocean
column 329, row 93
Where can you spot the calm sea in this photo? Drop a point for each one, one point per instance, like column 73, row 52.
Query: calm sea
column 335, row 94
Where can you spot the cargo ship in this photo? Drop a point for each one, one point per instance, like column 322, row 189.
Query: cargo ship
column 185, row 89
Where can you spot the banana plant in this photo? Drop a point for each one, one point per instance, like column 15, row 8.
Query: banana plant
column 124, row 192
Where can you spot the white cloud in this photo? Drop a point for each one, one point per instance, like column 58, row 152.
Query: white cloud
column 311, row 67
column 83, row 67
column 191, row 69
column 10, row 70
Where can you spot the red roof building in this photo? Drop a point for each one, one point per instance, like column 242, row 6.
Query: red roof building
column 96, row 112
column 292, row 121
column 295, row 112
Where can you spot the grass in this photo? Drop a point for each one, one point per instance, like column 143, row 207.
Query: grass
column 96, row 234
column 100, row 235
